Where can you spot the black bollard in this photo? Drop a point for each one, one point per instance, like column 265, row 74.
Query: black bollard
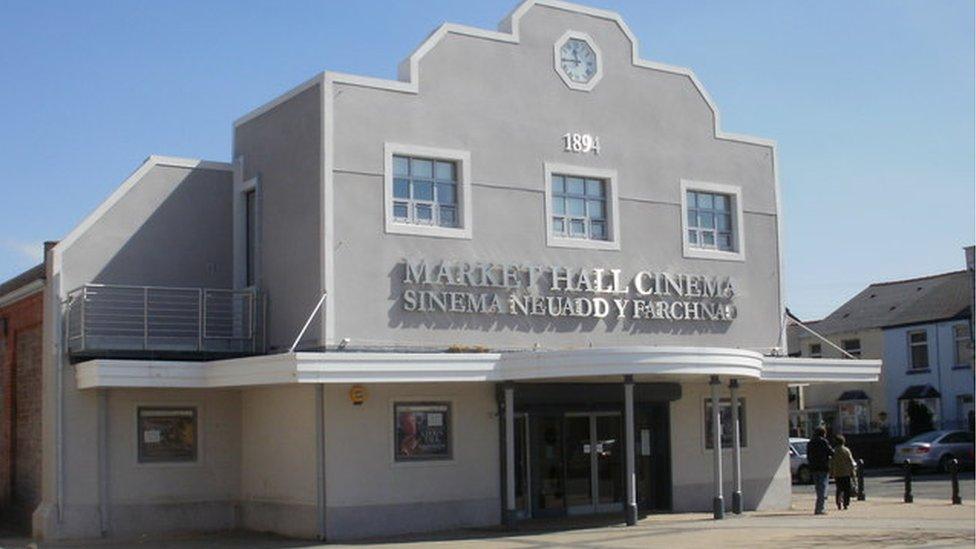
column 954, row 470
column 860, row 480
column 908, row 482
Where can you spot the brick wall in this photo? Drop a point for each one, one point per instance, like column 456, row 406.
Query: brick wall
column 20, row 409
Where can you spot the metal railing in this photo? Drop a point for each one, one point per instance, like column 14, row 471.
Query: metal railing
column 128, row 319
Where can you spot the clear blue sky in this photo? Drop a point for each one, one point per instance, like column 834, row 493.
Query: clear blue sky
column 872, row 104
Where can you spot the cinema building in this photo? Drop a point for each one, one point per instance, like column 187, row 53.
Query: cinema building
column 529, row 278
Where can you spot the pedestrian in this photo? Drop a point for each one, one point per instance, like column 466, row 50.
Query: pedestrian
column 819, row 453
column 842, row 468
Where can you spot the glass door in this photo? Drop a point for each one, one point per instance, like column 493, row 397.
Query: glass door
column 579, row 466
column 594, row 462
column 548, row 495
column 609, row 451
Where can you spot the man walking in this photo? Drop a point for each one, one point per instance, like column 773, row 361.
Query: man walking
column 819, row 453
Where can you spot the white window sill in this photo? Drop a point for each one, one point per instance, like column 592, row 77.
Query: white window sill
column 582, row 243
column 392, row 227
column 702, row 253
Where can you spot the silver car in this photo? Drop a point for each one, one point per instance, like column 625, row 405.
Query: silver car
column 799, row 468
column 936, row 449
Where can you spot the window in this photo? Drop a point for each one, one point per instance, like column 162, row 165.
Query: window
column 581, row 208
column 423, row 431
column 932, row 405
column 712, row 221
column 964, row 412
column 250, row 236
column 964, row 346
column 958, row 437
column 855, row 417
column 815, row 350
column 427, row 191
column 725, row 419
column 167, row 434
column 918, row 350
column 247, row 206
column 852, row 346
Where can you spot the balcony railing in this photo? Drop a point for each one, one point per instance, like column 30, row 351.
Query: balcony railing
column 111, row 320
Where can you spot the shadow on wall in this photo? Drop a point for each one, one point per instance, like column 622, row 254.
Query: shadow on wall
column 186, row 240
column 397, row 317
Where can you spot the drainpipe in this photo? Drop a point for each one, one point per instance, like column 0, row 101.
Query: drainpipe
column 59, row 408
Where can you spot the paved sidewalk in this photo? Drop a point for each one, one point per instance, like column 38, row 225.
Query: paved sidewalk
column 879, row 521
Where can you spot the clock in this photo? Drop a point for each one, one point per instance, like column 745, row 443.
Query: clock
column 577, row 61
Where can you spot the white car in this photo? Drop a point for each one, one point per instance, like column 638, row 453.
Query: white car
column 799, row 468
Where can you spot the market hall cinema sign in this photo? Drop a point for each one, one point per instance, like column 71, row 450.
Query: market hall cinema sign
column 558, row 291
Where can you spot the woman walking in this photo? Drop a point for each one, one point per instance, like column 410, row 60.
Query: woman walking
column 842, row 468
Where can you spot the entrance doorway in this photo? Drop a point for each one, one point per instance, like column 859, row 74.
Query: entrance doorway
column 569, row 449
column 573, row 463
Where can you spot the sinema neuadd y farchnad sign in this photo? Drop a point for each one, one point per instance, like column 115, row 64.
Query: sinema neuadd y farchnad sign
column 560, row 291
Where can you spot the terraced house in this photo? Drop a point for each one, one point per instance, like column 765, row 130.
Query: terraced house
column 530, row 277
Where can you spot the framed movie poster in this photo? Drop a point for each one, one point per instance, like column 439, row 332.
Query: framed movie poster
column 423, row 431
column 725, row 422
column 167, row 434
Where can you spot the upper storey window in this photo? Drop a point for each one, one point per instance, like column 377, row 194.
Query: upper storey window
column 427, row 191
column 712, row 221
column 581, row 208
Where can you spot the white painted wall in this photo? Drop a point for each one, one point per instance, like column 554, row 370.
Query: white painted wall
column 201, row 495
column 366, row 489
column 278, row 460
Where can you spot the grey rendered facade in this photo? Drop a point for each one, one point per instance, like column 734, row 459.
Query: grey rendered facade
column 300, row 438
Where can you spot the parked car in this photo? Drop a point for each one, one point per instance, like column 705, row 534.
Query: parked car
column 936, row 449
column 799, row 468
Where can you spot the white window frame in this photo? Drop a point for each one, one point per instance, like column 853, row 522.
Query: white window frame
column 463, row 161
column 557, row 61
column 612, row 201
column 911, row 354
column 241, row 188
column 738, row 235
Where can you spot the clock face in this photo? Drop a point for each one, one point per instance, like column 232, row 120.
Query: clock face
column 578, row 60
